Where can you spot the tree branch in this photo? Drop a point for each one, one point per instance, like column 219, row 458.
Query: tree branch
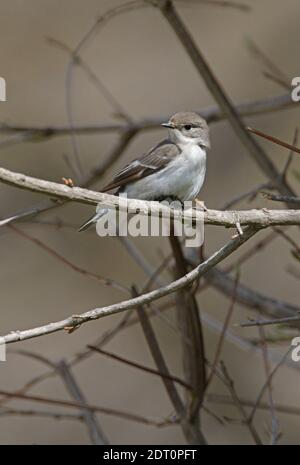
column 259, row 218
column 95, row 431
column 189, row 323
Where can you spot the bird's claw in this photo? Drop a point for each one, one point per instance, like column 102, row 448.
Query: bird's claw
column 68, row 182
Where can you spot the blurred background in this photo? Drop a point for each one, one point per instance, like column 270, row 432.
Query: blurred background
column 141, row 62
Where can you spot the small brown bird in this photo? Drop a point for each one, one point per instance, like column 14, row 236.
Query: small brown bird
column 173, row 169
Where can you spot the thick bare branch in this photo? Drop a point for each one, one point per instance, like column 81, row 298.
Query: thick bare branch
column 189, row 323
column 260, row 218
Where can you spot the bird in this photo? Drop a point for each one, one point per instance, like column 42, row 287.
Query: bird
column 173, row 169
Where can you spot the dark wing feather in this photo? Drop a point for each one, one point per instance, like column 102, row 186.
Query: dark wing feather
column 152, row 161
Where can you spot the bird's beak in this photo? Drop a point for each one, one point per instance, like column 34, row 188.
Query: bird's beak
column 168, row 125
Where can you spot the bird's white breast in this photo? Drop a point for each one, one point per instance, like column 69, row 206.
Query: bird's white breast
column 183, row 177
column 190, row 170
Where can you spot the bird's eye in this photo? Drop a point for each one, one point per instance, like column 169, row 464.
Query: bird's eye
column 187, row 127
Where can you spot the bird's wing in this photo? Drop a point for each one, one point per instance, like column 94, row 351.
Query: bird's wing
column 149, row 163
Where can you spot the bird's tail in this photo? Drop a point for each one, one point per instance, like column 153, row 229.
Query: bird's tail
column 92, row 220
column 87, row 224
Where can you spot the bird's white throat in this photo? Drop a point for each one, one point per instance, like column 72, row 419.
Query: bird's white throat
column 182, row 140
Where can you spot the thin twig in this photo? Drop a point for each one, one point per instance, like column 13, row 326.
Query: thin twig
column 275, row 321
column 248, row 297
column 218, row 3
column 99, row 85
column 245, row 195
column 282, row 198
column 275, row 140
column 273, row 70
column 291, row 154
column 248, row 422
column 265, row 385
column 68, row 263
column 93, row 408
column 212, row 114
column 139, row 366
column 286, row 237
column 274, row 420
column 39, row 413
column 221, row 399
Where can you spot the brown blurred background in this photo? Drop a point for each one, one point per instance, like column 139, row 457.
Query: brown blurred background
column 141, row 62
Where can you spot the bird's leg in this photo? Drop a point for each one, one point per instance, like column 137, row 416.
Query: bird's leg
column 178, row 200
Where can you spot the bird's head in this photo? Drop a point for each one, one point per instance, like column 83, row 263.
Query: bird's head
column 187, row 127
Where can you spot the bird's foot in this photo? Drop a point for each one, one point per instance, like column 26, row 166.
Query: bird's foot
column 68, row 182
